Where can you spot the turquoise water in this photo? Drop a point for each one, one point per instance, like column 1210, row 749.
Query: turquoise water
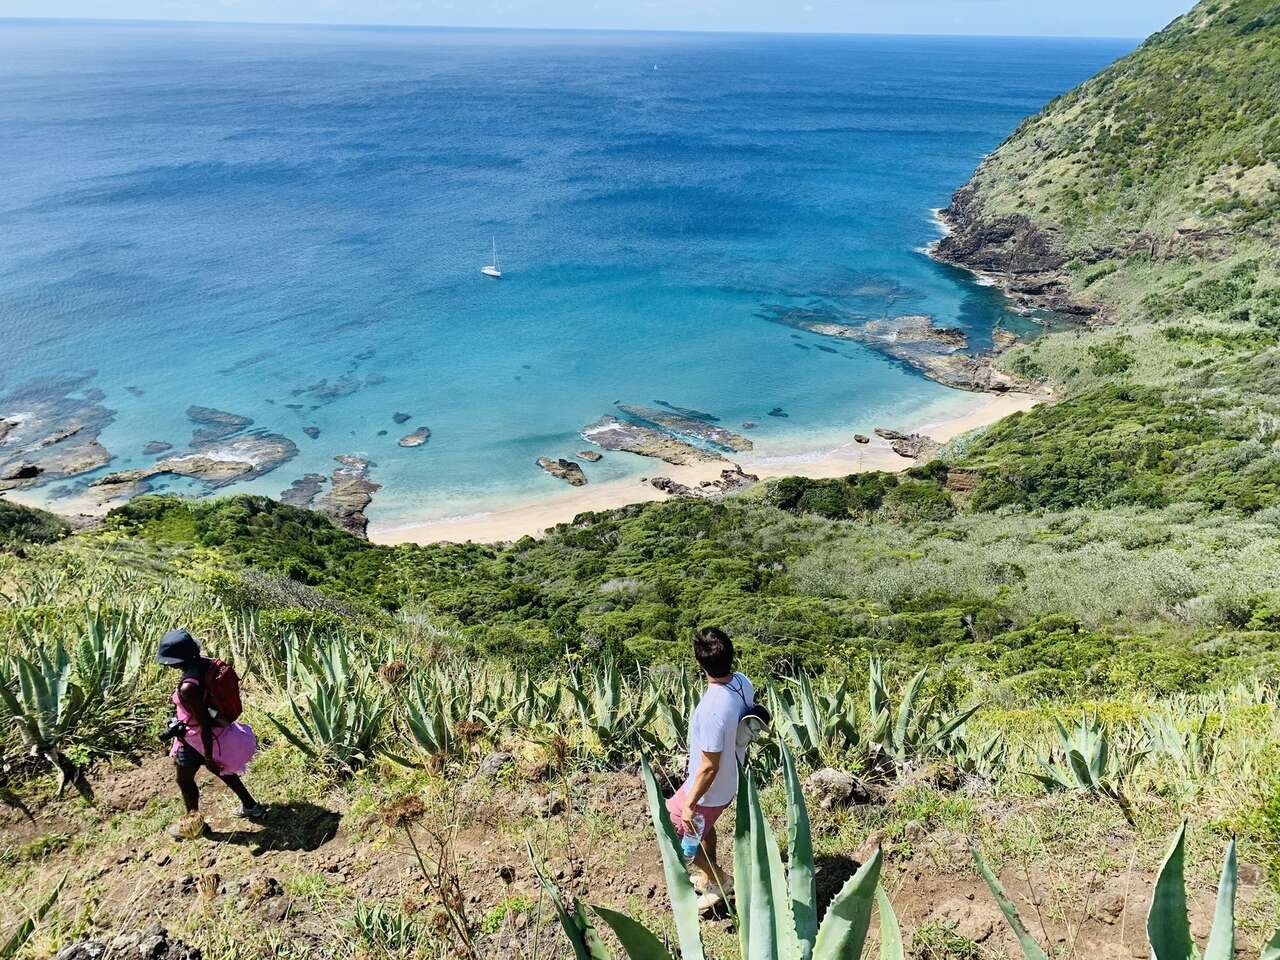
column 228, row 215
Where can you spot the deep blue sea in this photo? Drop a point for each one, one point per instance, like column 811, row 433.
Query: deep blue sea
column 225, row 215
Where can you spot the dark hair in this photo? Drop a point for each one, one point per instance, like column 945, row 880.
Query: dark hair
column 714, row 651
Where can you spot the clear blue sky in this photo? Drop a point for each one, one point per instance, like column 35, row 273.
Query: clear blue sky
column 1110, row 18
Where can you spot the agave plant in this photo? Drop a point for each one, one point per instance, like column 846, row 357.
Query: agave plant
column 1087, row 761
column 822, row 727
column 776, row 907
column 43, row 702
column 1168, row 929
column 1192, row 750
column 916, row 729
column 612, row 720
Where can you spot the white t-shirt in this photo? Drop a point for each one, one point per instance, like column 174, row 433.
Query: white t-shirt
column 714, row 729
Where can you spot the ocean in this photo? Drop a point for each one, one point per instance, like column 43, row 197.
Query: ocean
column 288, row 223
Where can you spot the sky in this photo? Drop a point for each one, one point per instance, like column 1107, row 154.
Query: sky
column 1088, row 18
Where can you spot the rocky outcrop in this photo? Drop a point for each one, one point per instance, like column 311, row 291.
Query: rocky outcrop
column 939, row 353
column 215, row 424
column 731, row 480
column 350, row 493
column 913, row 446
column 417, row 438
column 1012, row 250
column 566, row 470
column 613, row 434
column 49, row 431
column 302, row 492
column 312, row 432
column 153, row 943
column 154, row 447
column 591, row 456
column 400, row 417
column 218, row 464
column 836, row 788
column 681, row 423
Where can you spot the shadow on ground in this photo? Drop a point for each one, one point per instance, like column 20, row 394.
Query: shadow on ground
column 285, row 826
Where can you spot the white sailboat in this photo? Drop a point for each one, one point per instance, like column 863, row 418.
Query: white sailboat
column 491, row 270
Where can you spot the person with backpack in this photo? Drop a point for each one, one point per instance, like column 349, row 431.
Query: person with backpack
column 208, row 731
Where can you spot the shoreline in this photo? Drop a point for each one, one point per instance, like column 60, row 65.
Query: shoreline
column 535, row 517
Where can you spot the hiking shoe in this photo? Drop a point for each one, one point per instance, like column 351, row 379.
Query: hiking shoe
column 189, row 827
column 712, row 901
column 256, row 812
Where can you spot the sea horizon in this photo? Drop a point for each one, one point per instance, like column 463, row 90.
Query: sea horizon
column 286, row 224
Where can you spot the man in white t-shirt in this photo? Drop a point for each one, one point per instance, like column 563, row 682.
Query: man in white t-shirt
column 714, row 756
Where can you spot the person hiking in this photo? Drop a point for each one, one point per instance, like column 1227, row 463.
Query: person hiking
column 714, row 756
column 208, row 732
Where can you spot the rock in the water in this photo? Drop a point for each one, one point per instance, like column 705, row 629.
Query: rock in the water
column 749, row 424
column 914, row 446
column 400, row 417
column 312, row 432
column 215, row 424
column 614, row 434
column 217, row 464
column 861, row 438
column 831, row 787
column 939, row 353
column 156, row 446
column 680, row 423
column 19, row 471
column 566, row 470
column 778, row 412
column 350, row 492
column 591, row 456
column 302, row 492
column 417, row 438
column 53, row 426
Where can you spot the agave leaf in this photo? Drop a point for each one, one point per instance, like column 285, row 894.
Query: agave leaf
column 954, row 724
column 800, row 877
column 1030, row 949
column 907, row 711
column 890, row 932
column 758, row 879
column 1272, row 950
column 1222, row 938
column 1167, row 926
column 684, row 900
column 1081, row 770
column 27, row 927
column 637, row 941
column 577, row 926
column 844, row 929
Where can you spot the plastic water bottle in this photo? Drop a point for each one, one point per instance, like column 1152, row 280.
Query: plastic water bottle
column 690, row 842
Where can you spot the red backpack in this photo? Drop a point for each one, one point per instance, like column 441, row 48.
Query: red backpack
column 222, row 692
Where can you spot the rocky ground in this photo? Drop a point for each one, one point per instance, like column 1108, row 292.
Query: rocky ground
column 324, row 846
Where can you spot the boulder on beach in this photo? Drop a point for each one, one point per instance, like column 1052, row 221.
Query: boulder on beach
column 913, row 446
column 861, row 438
column 566, row 470
column 417, row 438
column 731, row 480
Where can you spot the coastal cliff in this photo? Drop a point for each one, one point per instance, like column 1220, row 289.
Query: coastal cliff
column 1150, row 181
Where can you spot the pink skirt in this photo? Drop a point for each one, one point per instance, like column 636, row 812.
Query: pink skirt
column 233, row 747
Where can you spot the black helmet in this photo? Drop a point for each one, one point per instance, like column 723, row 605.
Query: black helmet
column 178, row 647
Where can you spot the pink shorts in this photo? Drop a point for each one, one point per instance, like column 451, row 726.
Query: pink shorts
column 675, row 807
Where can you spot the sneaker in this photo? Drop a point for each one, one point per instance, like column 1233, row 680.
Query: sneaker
column 712, row 900
column 257, row 811
column 188, row 828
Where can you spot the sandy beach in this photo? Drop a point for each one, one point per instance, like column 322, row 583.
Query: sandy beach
column 532, row 519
